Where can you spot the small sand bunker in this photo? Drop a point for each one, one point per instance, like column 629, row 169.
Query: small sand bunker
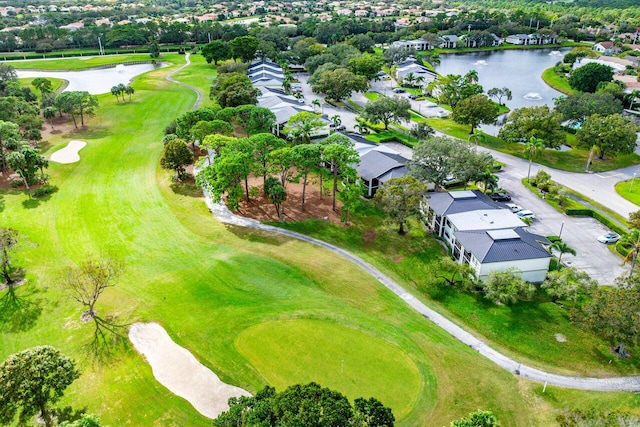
column 68, row 154
column 178, row 370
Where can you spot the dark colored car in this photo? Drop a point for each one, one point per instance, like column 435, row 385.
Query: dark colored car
column 399, row 90
column 413, row 96
column 500, row 197
column 341, row 128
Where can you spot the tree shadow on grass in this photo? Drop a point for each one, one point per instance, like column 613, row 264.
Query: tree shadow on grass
column 68, row 414
column 19, row 311
column 109, row 337
column 2, row 204
column 186, row 188
column 33, row 202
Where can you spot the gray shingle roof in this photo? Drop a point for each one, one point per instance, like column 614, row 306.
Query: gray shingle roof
column 374, row 164
column 487, row 250
column 445, row 204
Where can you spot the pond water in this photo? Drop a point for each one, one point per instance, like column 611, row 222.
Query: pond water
column 518, row 70
column 93, row 81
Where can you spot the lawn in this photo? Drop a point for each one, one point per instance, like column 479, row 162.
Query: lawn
column 557, row 82
column 56, row 84
column 199, row 75
column 630, row 191
column 210, row 285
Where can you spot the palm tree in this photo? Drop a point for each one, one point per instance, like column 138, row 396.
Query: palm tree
column 409, row 79
column 115, row 91
column 286, row 84
column 489, row 180
column 631, row 241
column 419, row 79
column 337, row 121
column 434, row 59
column 563, row 248
column 361, row 128
column 316, row 103
column 129, row 91
column 532, row 148
column 49, row 113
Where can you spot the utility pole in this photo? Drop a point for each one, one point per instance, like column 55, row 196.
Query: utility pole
column 100, row 44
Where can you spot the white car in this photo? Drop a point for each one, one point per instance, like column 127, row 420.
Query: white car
column 608, row 238
column 526, row 214
column 513, row 207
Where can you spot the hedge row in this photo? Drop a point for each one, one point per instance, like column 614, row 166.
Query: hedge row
column 599, row 217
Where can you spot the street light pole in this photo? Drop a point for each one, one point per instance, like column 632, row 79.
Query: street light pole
column 632, row 179
column 561, row 228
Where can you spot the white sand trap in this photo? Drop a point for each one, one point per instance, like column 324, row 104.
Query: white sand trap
column 68, row 154
column 178, row 370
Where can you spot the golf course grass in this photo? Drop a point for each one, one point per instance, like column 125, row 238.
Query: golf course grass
column 250, row 306
column 335, row 357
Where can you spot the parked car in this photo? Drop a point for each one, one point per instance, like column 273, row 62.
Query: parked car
column 399, row 90
column 513, row 207
column 609, row 238
column 413, row 96
column 341, row 128
column 526, row 214
column 500, row 197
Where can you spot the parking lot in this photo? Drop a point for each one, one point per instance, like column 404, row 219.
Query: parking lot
column 580, row 233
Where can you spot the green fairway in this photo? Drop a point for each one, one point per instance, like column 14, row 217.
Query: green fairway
column 336, row 357
column 70, row 64
column 199, row 75
column 212, row 286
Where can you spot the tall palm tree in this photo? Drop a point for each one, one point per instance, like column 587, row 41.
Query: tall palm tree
column 532, row 148
column 419, row 80
column 115, row 91
column 129, row 90
column 489, row 180
column 631, row 241
column 337, row 121
column 563, row 248
column 361, row 128
column 477, row 137
column 315, row 103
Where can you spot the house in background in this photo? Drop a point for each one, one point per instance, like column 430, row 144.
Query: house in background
column 411, row 66
column 479, row 232
column 449, row 41
column 606, row 48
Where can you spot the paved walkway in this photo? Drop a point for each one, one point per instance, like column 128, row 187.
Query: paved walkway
column 196, row 90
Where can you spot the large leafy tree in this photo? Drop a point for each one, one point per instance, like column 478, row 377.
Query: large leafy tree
column 506, row 287
column 340, row 83
column 499, row 93
column 568, row 284
column 400, row 199
column 439, row 158
column 612, row 134
column 26, row 161
column 185, row 122
column 387, row 109
column 32, row 380
column 305, row 123
column 260, row 120
column 579, row 106
column 453, row 88
column 475, row 110
column 176, row 156
column 367, row 65
column 306, row 159
column 77, row 104
column 614, row 313
column 589, row 76
column 8, row 136
column 244, row 47
column 216, row 51
column 276, row 193
column 263, row 144
column 540, row 122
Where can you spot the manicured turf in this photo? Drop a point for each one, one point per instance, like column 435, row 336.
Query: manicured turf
column 557, row 82
column 207, row 284
column 336, row 357
column 85, row 62
column 199, row 75
column 629, row 191
column 56, row 84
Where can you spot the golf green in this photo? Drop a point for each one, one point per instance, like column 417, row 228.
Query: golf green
column 351, row 361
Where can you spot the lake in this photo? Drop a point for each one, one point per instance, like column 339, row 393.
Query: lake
column 93, row 81
column 519, row 70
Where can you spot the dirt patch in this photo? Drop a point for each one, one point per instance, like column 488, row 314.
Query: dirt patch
column 317, row 207
column 370, row 235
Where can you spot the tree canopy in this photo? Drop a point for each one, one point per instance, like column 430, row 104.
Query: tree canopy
column 387, row 109
column 589, row 76
column 339, row 83
column 612, row 134
column 31, row 380
column 539, row 122
column 475, row 110
column 400, row 199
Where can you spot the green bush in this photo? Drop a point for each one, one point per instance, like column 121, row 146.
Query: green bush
column 597, row 216
column 43, row 191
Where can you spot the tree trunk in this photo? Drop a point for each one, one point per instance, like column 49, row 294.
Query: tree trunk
column 46, row 417
column 304, row 189
column 401, row 230
column 246, row 188
column 335, row 185
column 73, row 116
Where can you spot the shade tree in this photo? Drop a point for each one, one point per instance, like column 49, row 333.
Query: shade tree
column 341, row 158
column 589, row 76
column 453, row 88
column 31, row 381
column 8, row 245
column 176, row 156
column 215, row 51
column 386, row 110
column 400, row 199
column 539, row 122
column 506, row 287
column 475, row 110
column 276, row 193
column 579, row 106
column 612, row 134
column 500, row 93
column 306, row 159
column 568, row 284
column 305, row 123
column 244, row 47
column 338, row 84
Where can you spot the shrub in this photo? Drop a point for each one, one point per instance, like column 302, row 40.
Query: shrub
column 44, row 191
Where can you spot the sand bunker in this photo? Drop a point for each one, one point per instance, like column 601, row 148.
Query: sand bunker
column 68, row 154
column 178, row 370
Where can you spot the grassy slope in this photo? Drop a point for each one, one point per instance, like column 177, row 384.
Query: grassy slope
column 207, row 283
column 557, row 82
column 200, row 75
